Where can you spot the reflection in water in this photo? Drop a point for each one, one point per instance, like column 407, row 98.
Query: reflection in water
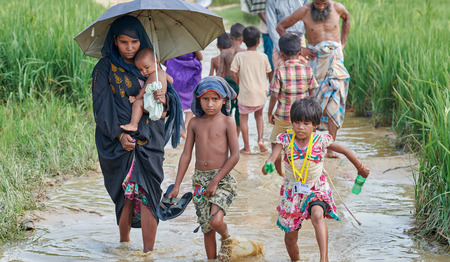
column 82, row 224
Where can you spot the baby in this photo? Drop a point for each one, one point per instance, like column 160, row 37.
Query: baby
column 145, row 63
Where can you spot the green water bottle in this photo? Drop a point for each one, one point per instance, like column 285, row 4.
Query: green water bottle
column 269, row 167
column 359, row 182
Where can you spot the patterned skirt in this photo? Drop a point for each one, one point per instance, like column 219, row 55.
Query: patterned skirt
column 293, row 208
column 135, row 192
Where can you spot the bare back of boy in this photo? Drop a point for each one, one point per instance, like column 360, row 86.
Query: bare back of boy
column 227, row 56
column 212, row 137
column 215, row 62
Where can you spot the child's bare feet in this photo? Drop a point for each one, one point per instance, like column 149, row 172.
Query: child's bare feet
column 262, row 147
column 245, row 151
column 129, row 127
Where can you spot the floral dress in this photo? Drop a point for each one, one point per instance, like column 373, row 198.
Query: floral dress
column 293, row 207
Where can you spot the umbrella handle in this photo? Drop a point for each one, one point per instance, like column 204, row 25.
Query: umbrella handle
column 154, row 51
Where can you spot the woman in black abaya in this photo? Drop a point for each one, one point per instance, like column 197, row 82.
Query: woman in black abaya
column 131, row 162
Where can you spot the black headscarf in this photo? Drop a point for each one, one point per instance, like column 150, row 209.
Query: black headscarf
column 132, row 27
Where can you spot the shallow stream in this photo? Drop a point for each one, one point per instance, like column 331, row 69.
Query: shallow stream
column 81, row 224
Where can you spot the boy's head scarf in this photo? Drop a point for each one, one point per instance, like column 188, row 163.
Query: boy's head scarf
column 216, row 84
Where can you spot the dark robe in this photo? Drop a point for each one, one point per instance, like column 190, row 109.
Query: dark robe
column 111, row 87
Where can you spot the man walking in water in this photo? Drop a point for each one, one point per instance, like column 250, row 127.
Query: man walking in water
column 325, row 44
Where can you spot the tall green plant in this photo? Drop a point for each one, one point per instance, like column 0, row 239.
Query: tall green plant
column 431, row 125
column 399, row 67
column 46, row 121
column 37, row 50
column 387, row 36
column 39, row 141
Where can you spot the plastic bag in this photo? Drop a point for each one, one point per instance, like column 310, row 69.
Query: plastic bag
column 154, row 108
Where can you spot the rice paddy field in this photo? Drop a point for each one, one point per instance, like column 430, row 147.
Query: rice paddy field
column 397, row 55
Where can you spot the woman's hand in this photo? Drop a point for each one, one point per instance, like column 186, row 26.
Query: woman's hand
column 128, row 143
column 160, row 96
column 131, row 99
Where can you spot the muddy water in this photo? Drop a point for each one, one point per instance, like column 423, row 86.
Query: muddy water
column 79, row 224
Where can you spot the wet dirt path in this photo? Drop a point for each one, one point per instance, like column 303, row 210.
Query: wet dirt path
column 79, row 222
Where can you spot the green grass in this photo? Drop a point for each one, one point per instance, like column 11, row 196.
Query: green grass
column 46, row 121
column 41, row 141
column 224, row 2
column 37, row 50
column 398, row 59
column 235, row 15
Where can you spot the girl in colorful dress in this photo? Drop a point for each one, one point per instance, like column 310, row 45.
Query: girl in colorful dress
column 305, row 192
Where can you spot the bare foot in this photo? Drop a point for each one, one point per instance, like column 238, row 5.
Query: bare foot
column 331, row 154
column 129, row 127
column 245, row 151
column 262, row 147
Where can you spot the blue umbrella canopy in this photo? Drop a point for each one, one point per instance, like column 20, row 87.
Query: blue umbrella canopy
column 174, row 27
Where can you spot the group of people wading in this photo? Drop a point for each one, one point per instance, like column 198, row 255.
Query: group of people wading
column 132, row 160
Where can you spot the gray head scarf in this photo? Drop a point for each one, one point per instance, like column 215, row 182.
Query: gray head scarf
column 216, row 84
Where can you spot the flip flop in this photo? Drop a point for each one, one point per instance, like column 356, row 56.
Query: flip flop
column 172, row 207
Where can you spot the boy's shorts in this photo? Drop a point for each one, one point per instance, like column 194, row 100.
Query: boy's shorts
column 225, row 193
column 279, row 127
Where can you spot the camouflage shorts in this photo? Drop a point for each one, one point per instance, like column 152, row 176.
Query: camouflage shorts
column 225, row 193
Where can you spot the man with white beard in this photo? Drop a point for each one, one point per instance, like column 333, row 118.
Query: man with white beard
column 325, row 44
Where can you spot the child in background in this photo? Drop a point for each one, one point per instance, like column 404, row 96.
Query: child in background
column 223, row 42
column 145, row 62
column 250, row 70
column 307, row 195
column 293, row 80
column 186, row 71
column 226, row 57
column 212, row 132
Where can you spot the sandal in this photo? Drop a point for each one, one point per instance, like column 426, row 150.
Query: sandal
column 172, row 207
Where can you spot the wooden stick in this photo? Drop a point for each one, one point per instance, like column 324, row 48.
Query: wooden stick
column 335, row 190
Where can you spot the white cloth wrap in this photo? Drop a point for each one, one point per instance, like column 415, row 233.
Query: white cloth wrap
column 154, row 108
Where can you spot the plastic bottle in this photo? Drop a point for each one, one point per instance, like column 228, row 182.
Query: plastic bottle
column 269, row 167
column 359, row 182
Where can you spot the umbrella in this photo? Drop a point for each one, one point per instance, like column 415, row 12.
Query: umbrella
column 175, row 27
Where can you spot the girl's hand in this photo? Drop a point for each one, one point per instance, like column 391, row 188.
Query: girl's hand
column 363, row 171
column 263, row 170
column 128, row 143
column 211, row 189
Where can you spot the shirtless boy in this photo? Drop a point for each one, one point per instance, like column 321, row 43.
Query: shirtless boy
column 223, row 42
column 145, row 63
column 226, row 57
column 216, row 153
